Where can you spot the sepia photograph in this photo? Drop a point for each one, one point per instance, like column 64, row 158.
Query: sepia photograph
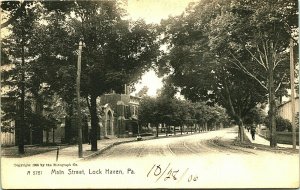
column 149, row 94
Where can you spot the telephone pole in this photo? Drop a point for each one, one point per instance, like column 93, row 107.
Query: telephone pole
column 292, row 92
column 78, row 101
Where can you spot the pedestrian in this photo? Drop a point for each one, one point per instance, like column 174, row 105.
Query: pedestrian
column 253, row 130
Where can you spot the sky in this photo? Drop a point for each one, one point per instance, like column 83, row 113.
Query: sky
column 152, row 11
column 155, row 10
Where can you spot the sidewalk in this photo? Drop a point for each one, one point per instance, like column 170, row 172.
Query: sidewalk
column 69, row 153
column 263, row 141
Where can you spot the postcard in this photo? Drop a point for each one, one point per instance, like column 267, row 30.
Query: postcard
column 149, row 94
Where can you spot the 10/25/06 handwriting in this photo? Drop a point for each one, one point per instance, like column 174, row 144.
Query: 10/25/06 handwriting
column 168, row 173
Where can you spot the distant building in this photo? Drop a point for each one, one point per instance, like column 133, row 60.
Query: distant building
column 120, row 115
column 284, row 110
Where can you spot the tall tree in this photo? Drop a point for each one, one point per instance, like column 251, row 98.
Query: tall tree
column 217, row 48
column 258, row 31
column 17, row 49
column 148, row 112
column 203, row 74
column 55, row 53
column 116, row 51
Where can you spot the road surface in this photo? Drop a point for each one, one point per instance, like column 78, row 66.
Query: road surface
column 212, row 158
column 202, row 160
column 199, row 144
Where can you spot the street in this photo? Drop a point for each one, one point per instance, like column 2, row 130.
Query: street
column 213, row 158
column 201, row 160
column 199, row 144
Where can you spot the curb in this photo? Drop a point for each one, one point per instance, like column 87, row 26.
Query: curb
column 104, row 149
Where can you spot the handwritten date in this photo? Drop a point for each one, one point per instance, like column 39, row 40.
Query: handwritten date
column 168, row 173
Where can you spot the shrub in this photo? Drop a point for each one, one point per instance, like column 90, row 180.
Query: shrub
column 281, row 124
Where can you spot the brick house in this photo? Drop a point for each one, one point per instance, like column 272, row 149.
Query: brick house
column 119, row 117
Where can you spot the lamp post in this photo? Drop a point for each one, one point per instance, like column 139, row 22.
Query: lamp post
column 78, row 101
column 292, row 92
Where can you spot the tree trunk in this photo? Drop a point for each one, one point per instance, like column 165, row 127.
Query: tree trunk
column 241, row 130
column 181, row 129
column 234, row 113
column 94, row 123
column 272, row 106
column 68, row 122
column 157, row 130
column 205, row 126
column 22, row 107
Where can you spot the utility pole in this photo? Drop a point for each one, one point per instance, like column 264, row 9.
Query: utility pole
column 78, row 101
column 292, row 92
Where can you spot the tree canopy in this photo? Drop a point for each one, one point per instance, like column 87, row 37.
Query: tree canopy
column 116, row 51
column 234, row 53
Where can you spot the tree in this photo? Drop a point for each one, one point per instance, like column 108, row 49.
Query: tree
column 259, row 32
column 203, row 74
column 148, row 112
column 55, row 64
column 15, row 9
column 38, row 24
column 50, row 61
column 168, row 110
column 16, row 47
column 116, row 51
column 255, row 115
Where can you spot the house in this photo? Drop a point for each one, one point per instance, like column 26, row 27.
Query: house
column 284, row 110
column 119, row 116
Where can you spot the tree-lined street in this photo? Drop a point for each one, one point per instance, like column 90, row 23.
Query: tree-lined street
column 219, row 143
column 227, row 60
column 69, row 71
